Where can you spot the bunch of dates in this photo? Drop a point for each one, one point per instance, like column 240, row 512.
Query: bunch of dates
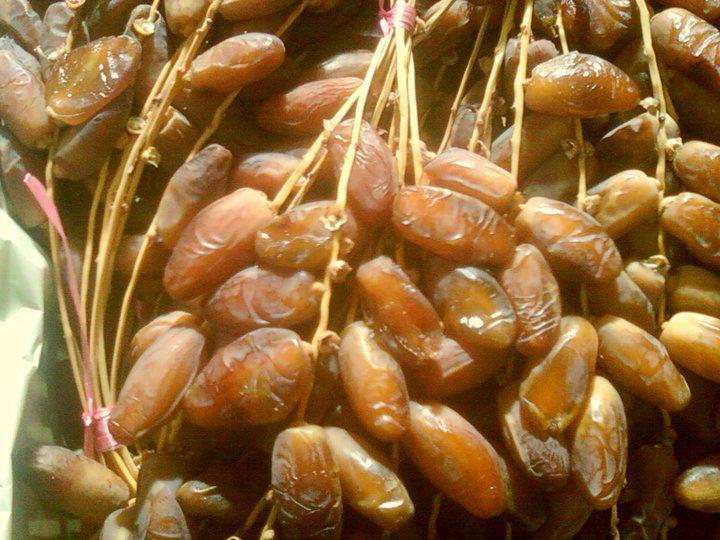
column 498, row 354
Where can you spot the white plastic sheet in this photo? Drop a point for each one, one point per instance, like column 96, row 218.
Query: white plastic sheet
column 24, row 291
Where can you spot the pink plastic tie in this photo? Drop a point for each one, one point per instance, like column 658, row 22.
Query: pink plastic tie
column 97, row 436
column 394, row 17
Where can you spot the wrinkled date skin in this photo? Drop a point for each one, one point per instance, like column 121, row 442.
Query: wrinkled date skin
column 689, row 44
column 373, row 180
column 475, row 309
column 572, row 241
column 456, row 458
column 622, row 201
column 258, row 297
column 306, row 484
column 624, row 298
column 20, row 18
column 216, row 243
column 468, row 173
column 693, row 219
column 639, row 362
column 555, row 387
column 698, row 488
column 302, row 237
column 404, row 319
column 692, row 288
column 194, row 185
column 301, row 111
column 705, row 9
column 265, row 171
column 693, row 341
column 599, row 445
column 455, row 369
column 236, row 62
column 534, row 294
column 697, row 163
column 157, row 382
column 368, row 484
column 22, row 101
column 149, row 333
column 543, row 457
column 86, row 79
column 75, row 483
column 257, row 379
column 158, row 513
column 374, row 383
column 608, row 21
column 580, row 85
column 452, row 225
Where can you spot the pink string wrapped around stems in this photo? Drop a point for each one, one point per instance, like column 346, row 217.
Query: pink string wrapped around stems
column 394, row 17
column 96, row 436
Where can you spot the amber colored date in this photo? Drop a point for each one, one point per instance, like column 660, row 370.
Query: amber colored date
column 452, row 225
column 183, row 16
column 535, row 296
column 624, row 298
column 697, row 163
column 580, row 85
column 567, row 513
column 639, row 362
column 302, row 237
column 258, row 297
column 301, row 111
column 693, row 341
column 572, row 241
column 75, row 483
column 649, row 275
column 692, row 288
column 698, row 488
column 149, row 333
column 19, row 17
column 256, row 379
column 86, row 79
column 374, row 383
column 352, row 63
column 368, row 484
column 553, row 391
column 599, row 445
column 265, row 171
column 475, row 309
column 693, row 219
column 404, row 319
column 689, row 44
column 463, row 171
column 194, row 185
column 240, row 10
column 456, row 458
column 236, row 62
column 306, row 484
column 216, row 243
column 373, row 179
column 543, row 457
column 157, row 382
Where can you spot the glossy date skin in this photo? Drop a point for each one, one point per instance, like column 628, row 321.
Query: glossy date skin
column 368, row 484
column 302, row 237
column 148, row 334
column 624, row 298
column 698, row 488
column 599, row 445
column 456, row 458
column 581, row 86
column 157, row 382
column 75, row 483
column 693, row 219
column 400, row 314
column 692, row 288
column 572, row 241
column 553, row 391
column 301, row 111
column 452, row 225
column 306, row 484
column 693, row 341
column 86, row 79
column 639, row 362
column 236, row 62
column 264, row 171
column 216, row 243
column 256, row 379
column 534, row 294
column 257, row 297
column 697, row 163
column 374, row 383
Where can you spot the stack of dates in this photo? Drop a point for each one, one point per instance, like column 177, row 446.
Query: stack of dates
column 494, row 358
